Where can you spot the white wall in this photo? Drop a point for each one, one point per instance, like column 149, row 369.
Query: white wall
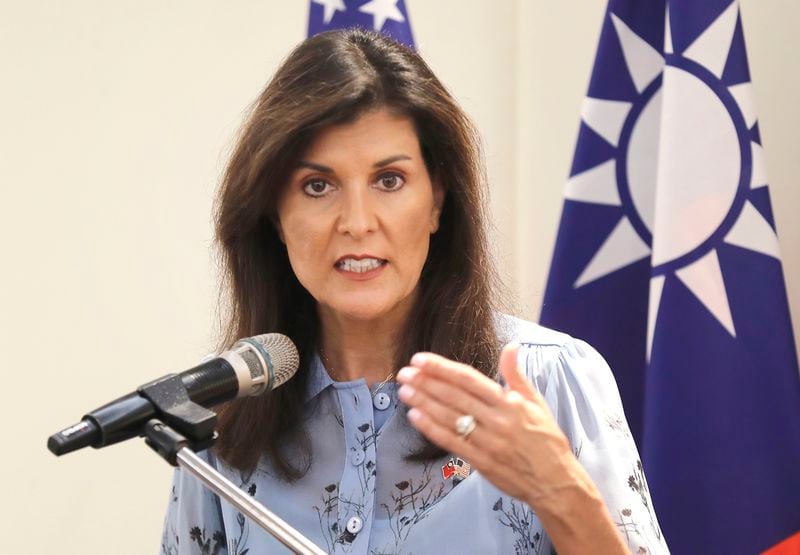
column 114, row 127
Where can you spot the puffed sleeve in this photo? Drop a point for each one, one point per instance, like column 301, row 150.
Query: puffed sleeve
column 582, row 394
column 193, row 523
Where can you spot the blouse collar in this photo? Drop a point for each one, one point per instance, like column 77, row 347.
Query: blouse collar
column 318, row 378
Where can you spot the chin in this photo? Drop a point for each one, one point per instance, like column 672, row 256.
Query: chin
column 365, row 309
column 365, row 313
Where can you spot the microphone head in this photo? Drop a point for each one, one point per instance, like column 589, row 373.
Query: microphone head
column 283, row 355
column 271, row 359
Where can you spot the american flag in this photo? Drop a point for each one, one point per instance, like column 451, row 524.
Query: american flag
column 383, row 16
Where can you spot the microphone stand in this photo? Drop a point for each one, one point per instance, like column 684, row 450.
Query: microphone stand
column 179, row 451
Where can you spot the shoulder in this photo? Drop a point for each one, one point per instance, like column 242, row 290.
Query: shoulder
column 558, row 364
column 548, row 345
column 510, row 328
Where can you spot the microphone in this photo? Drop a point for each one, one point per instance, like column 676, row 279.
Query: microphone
column 253, row 366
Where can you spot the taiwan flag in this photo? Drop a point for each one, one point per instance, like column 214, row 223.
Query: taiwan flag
column 667, row 261
column 382, row 16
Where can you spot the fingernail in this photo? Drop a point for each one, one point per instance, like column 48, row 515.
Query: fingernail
column 406, row 374
column 419, row 359
column 414, row 415
column 405, row 392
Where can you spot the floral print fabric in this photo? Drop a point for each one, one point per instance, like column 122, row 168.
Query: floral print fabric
column 361, row 496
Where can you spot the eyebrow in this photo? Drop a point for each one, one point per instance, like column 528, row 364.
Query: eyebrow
column 378, row 164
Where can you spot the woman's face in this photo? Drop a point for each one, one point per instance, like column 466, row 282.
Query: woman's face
column 357, row 215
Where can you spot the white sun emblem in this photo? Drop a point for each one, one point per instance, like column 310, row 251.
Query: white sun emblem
column 683, row 170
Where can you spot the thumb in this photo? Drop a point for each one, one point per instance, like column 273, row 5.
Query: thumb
column 515, row 379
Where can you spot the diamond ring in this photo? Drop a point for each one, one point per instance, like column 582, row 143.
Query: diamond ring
column 465, row 425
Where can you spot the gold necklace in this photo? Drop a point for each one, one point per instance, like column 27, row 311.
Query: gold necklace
column 334, row 374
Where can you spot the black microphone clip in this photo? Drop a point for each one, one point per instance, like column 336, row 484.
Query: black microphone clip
column 181, row 423
column 174, row 407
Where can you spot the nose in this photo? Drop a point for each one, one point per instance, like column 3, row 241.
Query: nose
column 357, row 217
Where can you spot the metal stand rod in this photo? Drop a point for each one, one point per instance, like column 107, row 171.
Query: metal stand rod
column 216, row 482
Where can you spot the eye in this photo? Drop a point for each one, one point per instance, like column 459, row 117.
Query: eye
column 390, row 181
column 316, row 187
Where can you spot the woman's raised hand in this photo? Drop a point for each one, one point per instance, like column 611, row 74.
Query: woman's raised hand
column 516, row 444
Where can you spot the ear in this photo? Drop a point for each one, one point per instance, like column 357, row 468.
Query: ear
column 438, row 202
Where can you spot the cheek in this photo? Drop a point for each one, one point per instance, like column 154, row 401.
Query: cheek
column 422, row 241
column 413, row 254
column 415, row 236
column 305, row 245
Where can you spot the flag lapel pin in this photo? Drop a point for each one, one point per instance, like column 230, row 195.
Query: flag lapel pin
column 456, row 468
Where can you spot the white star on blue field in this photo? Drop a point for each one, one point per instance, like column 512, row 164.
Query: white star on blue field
column 382, row 16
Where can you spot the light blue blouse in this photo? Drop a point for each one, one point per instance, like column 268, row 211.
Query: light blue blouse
column 361, row 496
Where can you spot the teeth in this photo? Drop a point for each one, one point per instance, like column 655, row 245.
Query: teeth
column 359, row 266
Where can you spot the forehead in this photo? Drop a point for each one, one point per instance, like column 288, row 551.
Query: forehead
column 373, row 134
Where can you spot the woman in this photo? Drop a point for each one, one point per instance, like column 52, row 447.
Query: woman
column 351, row 218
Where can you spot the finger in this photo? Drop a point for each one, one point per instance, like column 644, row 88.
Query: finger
column 457, row 373
column 446, row 439
column 516, row 380
column 454, row 397
column 446, row 417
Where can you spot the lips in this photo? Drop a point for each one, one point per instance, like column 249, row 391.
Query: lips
column 362, row 264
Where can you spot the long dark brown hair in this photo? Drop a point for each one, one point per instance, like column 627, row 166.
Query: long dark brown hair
column 331, row 79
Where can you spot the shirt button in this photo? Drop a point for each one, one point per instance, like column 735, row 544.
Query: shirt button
column 382, row 401
column 354, row 525
column 357, row 457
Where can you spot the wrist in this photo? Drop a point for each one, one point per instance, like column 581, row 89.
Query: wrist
column 556, row 487
column 571, row 496
column 568, row 502
column 575, row 517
